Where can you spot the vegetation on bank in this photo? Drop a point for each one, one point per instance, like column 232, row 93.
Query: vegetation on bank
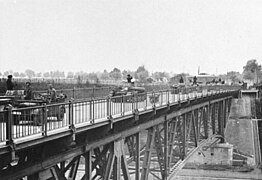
column 252, row 73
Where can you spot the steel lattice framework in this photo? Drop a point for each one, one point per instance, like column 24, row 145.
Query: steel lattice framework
column 149, row 143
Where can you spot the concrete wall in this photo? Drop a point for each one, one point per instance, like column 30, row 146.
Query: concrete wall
column 218, row 154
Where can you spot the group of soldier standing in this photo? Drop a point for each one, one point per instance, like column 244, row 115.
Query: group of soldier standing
column 28, row 93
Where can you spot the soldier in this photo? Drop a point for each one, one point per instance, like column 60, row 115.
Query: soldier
column 129, row 78
column 52, row 92
column 28, row 91
column 9, row 83
column 181, row 80
column 195, row 80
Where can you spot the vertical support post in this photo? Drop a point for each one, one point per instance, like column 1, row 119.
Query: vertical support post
column 197, row 123
column 88, row 165
column 117, row 164
column 208, row 119
column 172, row 135
column 223, row 118
column 205, row 121
column 124, row 164
column 110, row 162
column 194, row 127
column 138, row 156
column 220, row 118
column 165, row 149
column 184, row 133
column 213, row 118
column 148, row 152
column 62, row 166
column 74, row 92
column 225, row 102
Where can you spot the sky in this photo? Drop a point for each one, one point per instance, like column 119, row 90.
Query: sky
column 163, row 35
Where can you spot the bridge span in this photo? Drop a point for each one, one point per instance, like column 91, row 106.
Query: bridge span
column 104, row 138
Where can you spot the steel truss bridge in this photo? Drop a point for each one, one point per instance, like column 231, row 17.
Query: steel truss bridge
column 104, row 139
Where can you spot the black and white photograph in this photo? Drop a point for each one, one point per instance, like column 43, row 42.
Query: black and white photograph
column 130, row 89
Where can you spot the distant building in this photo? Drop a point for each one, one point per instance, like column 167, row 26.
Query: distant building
column 202, row 78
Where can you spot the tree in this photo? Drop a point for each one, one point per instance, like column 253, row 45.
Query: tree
column 70, row 75
column 16, row 74
column 233, row 76
column 252, row 71
column 6, row 73
column 115, row 74
column 46, row 74
column 30, row 73
column 22, row 74
column 104, row 75
column 39, row 74
column 93, row 77
column 141, row 74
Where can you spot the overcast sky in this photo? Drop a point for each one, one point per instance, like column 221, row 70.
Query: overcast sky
column 162, row 35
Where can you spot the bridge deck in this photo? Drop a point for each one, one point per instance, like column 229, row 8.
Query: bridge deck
column 102, row 123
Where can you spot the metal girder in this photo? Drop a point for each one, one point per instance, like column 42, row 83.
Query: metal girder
column 194, row 128
column 148, row 152
column 73, row 170
column 165, row 174
column 213, row 118
column 171, row 137
column 110, row 163
column 131, row 145
column 159, row 151
column 88, row 166
column 117, row 161
column 137, row 158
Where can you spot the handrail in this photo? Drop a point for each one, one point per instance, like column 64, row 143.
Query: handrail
column 44, row 118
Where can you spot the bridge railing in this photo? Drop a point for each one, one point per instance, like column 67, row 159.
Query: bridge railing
column 42, row 120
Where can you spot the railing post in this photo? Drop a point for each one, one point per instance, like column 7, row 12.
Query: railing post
column 74, row 92
column 146, row 100
column 44, row 120
column 108, row 107
column 121, row 106
column 168, row 100
column 9, row 126
column 91, row 109
column 9, row 132
column 71, row 116
column 154, row 98
column 71, row 121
